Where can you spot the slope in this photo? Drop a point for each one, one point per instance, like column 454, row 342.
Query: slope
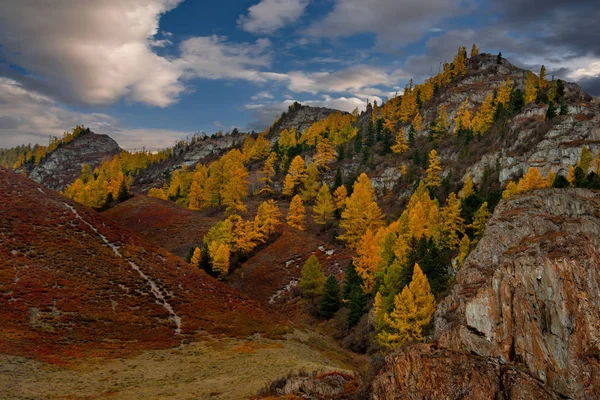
column 523, row 319
column 75, row 284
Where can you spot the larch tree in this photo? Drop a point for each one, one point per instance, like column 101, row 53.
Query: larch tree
column 219, row 254
column 368, row 259
column 542, row 80
column 504, row 92
column 531, row 180
column 480, row 218
column 268, row 218
column 340, row 195
column 440, row 127
column 296, row 174
column 324, row 208
column 460, row 62
column 474, row 51
column 462, row 121
column 235, row 182
column 326, row 153
column 585, row 159
column 197, row 195
column 571, row 175
column 467, row 189
column 312, row 278
column 510, row 190
column 550, row 178
column 413, row 310
column 452, row 222
column 310, row 184
column 433, row 178
column 400, row 146
column 531, row 87
column 417, row 121
column 246, row 236
column 196, row 257
column 361, row 212
column 266, row 175
column 463, row 250
column 296, row 217
column 484, row 118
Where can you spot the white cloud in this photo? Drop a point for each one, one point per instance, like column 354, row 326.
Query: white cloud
column 270, row 15
column 27, row 116
column 396, row 23
column 212, row 57
column 92, row 51
column 262, row 95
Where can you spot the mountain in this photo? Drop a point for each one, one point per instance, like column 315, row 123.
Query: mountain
column 62, row 166
column 523, row 319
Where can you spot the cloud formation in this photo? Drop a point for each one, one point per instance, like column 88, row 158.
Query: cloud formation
column 271, row 15
column 94, row 52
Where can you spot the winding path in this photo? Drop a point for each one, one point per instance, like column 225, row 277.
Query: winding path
column 160, row 298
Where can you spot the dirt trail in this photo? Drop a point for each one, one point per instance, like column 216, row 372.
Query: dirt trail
column 160, row 298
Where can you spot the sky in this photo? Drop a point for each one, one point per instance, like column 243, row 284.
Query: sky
column 151, row 72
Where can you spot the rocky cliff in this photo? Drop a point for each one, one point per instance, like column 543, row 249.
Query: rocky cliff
column 299, row 118
column 523, row 320
column 63, row 165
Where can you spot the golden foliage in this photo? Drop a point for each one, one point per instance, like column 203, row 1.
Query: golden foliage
column 434, row 170
column 324, row 207
column 296, row 217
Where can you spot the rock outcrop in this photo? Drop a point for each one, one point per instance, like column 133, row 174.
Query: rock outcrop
column 299, row 118
column 523, row 320
column 63, row 165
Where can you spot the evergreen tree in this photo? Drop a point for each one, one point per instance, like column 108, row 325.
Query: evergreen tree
column 560, row 182
column 351, row 280
column 551, row 112
column 123, row 192
column 312, row 278
column 331, row 302
column 357, row 302
column 338, row 181
column 564, row 108
column 499, row 58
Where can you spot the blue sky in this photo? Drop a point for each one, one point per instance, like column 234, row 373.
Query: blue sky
column 149, row 72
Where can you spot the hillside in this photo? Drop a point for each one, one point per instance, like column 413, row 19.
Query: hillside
column 63, row 165
column 522, row 320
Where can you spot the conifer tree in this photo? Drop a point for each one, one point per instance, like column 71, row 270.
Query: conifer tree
column 220, row 258
column 480, row 218
column 267, row 218
column 550, row 178
column 510, row 190
column 357, row 303
column 326, row 153
column 351, row 280
column 310, row 184
column 197, row 196
column 413, row 309
column 542, row 80
column 462, row 121
column 434, row 170
column 296, row 174
column 585, row 159
column 531, row 180
column 267, row 174
column 324, row 208
column 452, row 222
column 474, row 51
column 400, row 146
column 531, row 87
column 196, row 257
column 463, row 250
column 417, row 122
column 368, row 259
column 312, row 278
column 460, row 62
column 246, row 236
column 123, row 192
column 331, row 302
column 571, row 175
column 440, row 127
column 551, row 111
column 467, row 188
column 361, row 212
column 296, row 217
column 340, row 195
column 504, row 92
column 484, row 118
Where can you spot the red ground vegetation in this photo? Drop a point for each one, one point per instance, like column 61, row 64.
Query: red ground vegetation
column 65, row 294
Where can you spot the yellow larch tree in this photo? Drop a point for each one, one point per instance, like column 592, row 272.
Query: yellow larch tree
column 246, row 236
column 550, row 178
column 585, row 159
column 433, row 178
column 361, row 212
column 460, row 62
column 542, row 82
column 268, row 217
column 531, row 180
column 196, row 257
column 296, row 174
column 266, row 175
column 310, row 184
column 484, row 118
column 417, row 121
column 326, row 153
column 462, row 121
column 597, row 163
column 296, row 217
column 463, row 250
column 504, row 91
column 417, row 221
column 474, row 51
column 452, row 222
column 510, row 190
column 571, row 175
column 324, row 207
column 440, row 127
column 368, row 259
column 409, row 103
column 531, row 87
column 235, row 182
column 287, row 140
column 467, row 189
column 340, row 195
column 197, row 195
column 219, row 253
column 159, row 193
column 413, row 310
column 480, row 218
column 401, row 145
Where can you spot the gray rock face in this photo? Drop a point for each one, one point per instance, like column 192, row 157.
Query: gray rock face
column 64, row 164
column 299, row 118
column 527, row 300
